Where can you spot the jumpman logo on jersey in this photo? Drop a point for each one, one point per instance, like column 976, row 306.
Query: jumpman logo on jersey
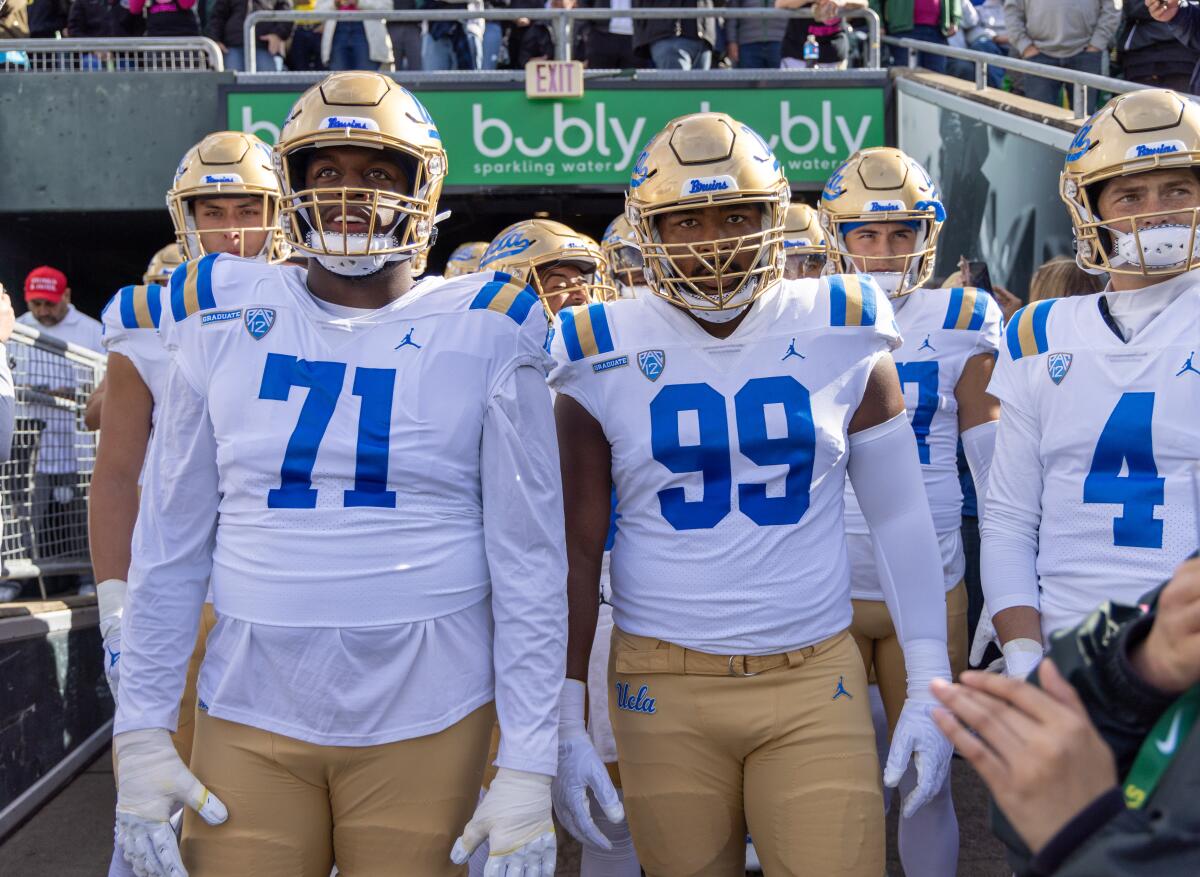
column 791, row 351
column 925, row 345
column 1187, row 366
column 841, row 689
column 113, row 657
column 408, row 342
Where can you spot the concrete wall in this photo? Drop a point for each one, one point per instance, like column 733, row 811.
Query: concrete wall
column 99, row 141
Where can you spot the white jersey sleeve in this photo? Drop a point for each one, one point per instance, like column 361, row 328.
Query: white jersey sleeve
column 131, row 321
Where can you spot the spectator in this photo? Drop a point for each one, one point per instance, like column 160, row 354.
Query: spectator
column 676, row 43
column 975, row 35
column 59, row 502
column 168, row 18
column 406, row 39
column 609, row 44
column 1093, row 761
column 89, row 18
column 1185, row 25
column 1061, row 278
column 754, row 43
column 492, row 52
column 355, row 45
column 930, row 21
column 225, row 21
column 124, row 22
column 14, row 20
column 8, row 413
column 47, row 18
column 304, row 51
column 455, row 45
column 829, row 40
column 1069, row 34
column 1148, row 52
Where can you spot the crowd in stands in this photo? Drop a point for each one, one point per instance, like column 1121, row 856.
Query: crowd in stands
column 1153, row 42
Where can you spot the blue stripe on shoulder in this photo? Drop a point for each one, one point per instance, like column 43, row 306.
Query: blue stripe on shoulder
column 604, row 342
column 868, row 290
column 524, row 302
column 837, row 301
column 1041, row 313
column 178, row 281
column 204, row 293
column 128, row 314
column 154, row 300
column 486, row 293
column 979, row 312
column 570, row 334
column 956, row 301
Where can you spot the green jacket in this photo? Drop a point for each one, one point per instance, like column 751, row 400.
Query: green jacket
column 897, row 15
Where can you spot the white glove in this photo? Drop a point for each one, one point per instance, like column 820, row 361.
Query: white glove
column 514, row 816
column 917, row 738
column 1021, row 655
column 110, row 593
column 151, row 780
column 985, row 633
column 580, row 769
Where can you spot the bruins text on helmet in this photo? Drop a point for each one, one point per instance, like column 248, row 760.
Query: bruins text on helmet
column 883, row 184
column 465, row 259
column 699, row 161
column 625, row 262
column 1134, row 133
column 804, row 246
column 356, row 230
column 530, row 250
column 227, row 164
column 162, row 264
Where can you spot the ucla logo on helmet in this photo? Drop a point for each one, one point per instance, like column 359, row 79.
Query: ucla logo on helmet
column 652, row 363
column 878, row 206
column 833, row 186
column 1058, row 365
column 640, row 171
column 354, row 123
column 1081, row 144
column 259, row 321
column 769, row 155
column 509, row 245
column 1149, row 150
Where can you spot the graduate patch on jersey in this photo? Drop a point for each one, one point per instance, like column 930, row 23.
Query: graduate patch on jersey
column 609, row 364
column 221, row 316
column 652, row 363
column 259, row 321
column 1058, row 364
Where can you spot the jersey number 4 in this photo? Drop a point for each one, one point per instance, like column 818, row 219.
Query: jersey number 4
column 324, row 381
column 1127, row 446
column 711, row 456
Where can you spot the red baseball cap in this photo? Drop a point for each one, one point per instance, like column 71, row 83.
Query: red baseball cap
column 45, row 282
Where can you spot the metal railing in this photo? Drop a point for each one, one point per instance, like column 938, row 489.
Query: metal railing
column 561, row 21
column 44, row 484
column 110, row 54
column 1079, row 81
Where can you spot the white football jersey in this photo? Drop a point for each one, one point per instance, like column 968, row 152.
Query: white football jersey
column 131, row 320
column 942, row 329
column 1118, row 436
column 375, row 437
column 729, row 458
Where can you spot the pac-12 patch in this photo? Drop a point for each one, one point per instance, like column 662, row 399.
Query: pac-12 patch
column 652, row 363
column 1058, row 365
column 259, row 321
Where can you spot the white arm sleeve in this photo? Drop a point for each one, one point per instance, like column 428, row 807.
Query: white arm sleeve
column 524, row 533
column 172, row 559
column 886, row 474
column 979, row 444
column 1009, row 530
column 8, row 407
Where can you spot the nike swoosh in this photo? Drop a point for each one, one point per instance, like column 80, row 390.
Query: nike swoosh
column 1167, row 746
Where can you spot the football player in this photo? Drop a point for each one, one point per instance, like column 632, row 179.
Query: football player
column 465, row 259
column 624, row 258
column 1091, row 494
column 136, row 379
column 564, row 267
column 804, row 246
column 727, row 408
column 882, row 215
column 381, row 525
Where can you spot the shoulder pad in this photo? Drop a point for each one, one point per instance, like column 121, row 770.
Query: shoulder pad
column 967, row 308
column 1026, row 332
column 506, row 295
column 585, row 331
column 191, row 287
column 853, row 300
column 138, row 307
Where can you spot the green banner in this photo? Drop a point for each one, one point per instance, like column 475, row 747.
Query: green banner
column 501, row 138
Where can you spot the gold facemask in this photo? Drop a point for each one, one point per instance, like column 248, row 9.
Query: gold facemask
column 465, row 259
column 532, row 244
column 164, row 262
column 625, row 263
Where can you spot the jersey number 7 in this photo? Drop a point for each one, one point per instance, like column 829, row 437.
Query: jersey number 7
column 324, row 382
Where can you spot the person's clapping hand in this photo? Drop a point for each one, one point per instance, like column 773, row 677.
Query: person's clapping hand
column 1036, row 748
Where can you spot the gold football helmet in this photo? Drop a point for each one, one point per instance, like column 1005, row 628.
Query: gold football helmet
column 465, row 259
column 804, row 244
column 700, row 161
column 368, row 110
column 883, row 184
column 162, row 264
column 625, row 263
column 526, row 249
column 226, row 164
column 1133, row 133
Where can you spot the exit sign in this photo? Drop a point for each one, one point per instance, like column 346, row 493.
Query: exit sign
column 554, row 79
